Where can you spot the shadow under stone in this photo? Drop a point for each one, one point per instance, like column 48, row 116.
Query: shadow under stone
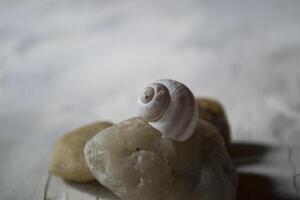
column 93, row 188
column 248, row 153
column 258, row 187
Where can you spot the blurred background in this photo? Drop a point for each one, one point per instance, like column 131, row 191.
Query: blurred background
column 67, row 63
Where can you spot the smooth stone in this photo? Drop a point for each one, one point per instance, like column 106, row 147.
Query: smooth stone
column 68, row 160
column 212, row 111
column 135, row 162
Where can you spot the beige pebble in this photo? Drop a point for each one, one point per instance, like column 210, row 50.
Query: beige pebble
column 136, row 162
column 212, row 111
column 67, row 159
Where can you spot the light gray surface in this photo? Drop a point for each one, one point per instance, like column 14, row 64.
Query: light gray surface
column 67, row 63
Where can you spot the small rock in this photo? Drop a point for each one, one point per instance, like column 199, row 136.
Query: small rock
column 68, row 159
column 212, row 111
column 136, row 162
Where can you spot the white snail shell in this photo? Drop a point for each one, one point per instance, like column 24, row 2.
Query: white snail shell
column 170, row 107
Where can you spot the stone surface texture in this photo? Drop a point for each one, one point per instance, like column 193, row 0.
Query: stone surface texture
column 213, row 112
column 67, row 63
column 67, row 158
column 134, row 161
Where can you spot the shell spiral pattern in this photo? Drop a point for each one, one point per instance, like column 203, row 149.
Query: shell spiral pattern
column 170, row 107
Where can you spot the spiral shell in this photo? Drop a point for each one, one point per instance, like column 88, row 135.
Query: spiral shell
column 170, row 107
